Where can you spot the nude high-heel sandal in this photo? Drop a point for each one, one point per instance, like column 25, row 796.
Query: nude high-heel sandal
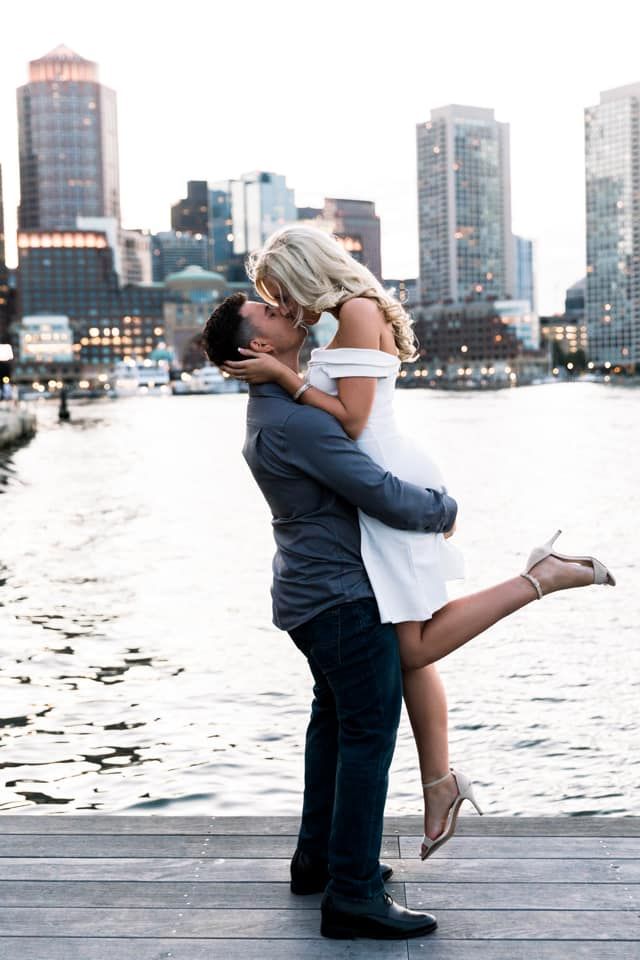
column 465, row 792
column 600, row 573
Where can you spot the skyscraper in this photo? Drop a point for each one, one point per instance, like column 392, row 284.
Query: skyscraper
column 191, row 215
column 4, row 285
column 71, row 276
column 464, row 206
column 173, row 250
column 206, row 212
column 2, row 260
column 221, row 226
column 261, row 202
column 68, row 144
column 357, row 225
column 524, row 288
column 354, row 223
column 612, row 302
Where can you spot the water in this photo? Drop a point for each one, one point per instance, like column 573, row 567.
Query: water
column 140, row 672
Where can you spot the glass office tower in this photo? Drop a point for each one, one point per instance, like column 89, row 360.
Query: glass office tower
column 4, row 281
column 357, row 224
column 72, row 274
column 68, row 144
column 464, row 206
column 524, row 272
column 172, row 251
column 612, row 158
column 220, row 224
column 261, row 202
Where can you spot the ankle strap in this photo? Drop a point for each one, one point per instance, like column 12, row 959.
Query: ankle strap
column 432, row 783
column 536, row 583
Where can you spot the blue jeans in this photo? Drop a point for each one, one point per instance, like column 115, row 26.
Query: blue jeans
column 350, row 741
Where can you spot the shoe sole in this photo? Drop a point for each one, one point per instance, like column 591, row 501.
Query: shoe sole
column 452, row 829
column 371, row 930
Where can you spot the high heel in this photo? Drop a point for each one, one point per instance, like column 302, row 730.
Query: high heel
column 465, row 792
column 600, row 573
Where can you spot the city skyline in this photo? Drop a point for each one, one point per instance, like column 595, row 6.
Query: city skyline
column 259, row 118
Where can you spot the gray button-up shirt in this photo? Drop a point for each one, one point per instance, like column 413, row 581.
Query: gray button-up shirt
column 314, row 477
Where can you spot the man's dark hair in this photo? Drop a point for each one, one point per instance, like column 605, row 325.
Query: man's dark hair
column 226, row 330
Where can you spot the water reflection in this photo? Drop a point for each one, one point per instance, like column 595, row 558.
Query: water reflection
column 139, row 669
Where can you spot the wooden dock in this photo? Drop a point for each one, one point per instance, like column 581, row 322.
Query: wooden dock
column 100, row 887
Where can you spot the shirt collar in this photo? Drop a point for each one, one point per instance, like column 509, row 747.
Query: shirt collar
column 269, row 390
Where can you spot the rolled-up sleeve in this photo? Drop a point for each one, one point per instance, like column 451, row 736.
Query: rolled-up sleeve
column 317, row 445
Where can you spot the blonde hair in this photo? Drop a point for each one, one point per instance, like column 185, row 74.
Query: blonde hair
column 318, row 274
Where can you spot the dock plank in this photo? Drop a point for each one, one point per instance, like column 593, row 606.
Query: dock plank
column 280, row 847
column 122, row 893
column 304, row 924
column 153, row 948
column 184, row 847
column 522, row 896
column 419, row 896
column 123, row 948
column 550, row 848
column 520, row 950
column 516, row 870
column 468, row 825
column 272, row 870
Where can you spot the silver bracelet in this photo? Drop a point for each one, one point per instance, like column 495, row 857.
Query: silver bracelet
column 300, row 391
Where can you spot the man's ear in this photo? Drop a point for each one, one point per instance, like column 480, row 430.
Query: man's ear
column 260, row 345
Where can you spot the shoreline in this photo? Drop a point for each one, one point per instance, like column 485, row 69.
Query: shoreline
column 16, row 424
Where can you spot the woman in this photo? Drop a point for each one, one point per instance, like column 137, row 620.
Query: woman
column 306, row 272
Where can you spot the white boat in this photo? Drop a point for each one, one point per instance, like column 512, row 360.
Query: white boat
column 130, row 378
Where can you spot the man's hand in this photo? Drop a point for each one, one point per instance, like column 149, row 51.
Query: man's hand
column 450, row 532
column 262, row 369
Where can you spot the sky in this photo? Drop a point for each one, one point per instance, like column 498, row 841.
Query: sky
column 330, row 95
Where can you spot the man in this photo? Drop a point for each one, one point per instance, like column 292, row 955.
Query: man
column 314, row 478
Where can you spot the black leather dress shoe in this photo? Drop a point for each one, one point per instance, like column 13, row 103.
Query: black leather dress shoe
column 378, row 919
column 312, row 876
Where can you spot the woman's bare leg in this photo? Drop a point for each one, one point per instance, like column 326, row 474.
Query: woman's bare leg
column 460, row 620
column 465, row 617
column 426, row 703
column 453, row 625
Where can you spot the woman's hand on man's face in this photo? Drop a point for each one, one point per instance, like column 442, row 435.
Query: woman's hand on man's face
column 260, row 368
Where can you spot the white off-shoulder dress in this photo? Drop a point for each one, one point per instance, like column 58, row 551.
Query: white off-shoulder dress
column 408, row 570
